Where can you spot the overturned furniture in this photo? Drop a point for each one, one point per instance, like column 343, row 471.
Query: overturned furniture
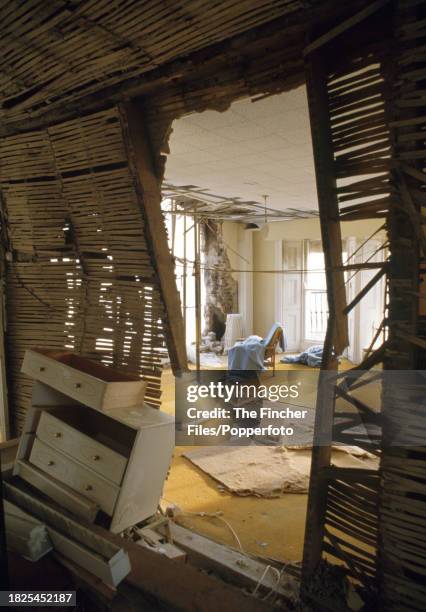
column 70, row 539
column 90, row 444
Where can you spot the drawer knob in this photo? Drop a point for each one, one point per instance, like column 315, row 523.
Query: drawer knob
column 95, row 457
column 42, row 368
column 88, row 488
column 51, row 462
column 58, row 434
column 78, row 385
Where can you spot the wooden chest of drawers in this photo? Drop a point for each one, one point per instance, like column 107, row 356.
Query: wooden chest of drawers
column 109, row 464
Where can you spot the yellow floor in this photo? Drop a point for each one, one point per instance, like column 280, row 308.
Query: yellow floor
column 267, row 527
column 271, row 528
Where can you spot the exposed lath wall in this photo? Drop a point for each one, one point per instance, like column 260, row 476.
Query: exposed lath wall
column 55, row 52
column 351, row 145
column 40, row 291
column 80, row 274
column 367, row 105
column 402, row 559
column 213, row 79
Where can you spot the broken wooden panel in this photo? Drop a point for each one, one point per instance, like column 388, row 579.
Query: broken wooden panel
column 25, row 535
column 73, row 539
column 327, row 200
column 377, row 107
column 148, row 187
column 351, row 138
column 351, row 526
column 55, row 54
column 85, row 278
column 403, row 494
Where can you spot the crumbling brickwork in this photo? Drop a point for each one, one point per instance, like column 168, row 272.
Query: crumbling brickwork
column 221, row 286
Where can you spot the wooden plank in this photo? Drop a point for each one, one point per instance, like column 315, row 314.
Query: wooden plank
column 321, row 458
column 4, row 401
column 365, row 289
column 231, row 565
column 138, row 146
column 168, row 581
column 74, row 540
column 337, row 331
column 327, row 199
column 25, row 534
column 344, row 26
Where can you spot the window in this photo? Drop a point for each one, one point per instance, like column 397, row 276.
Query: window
column 315, row 292
column 304, row 303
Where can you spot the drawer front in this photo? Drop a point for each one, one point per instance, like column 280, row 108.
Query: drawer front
column 40, row 367
column 93, row 454
column 81, row 479
column 78, row 385
column 58, row 491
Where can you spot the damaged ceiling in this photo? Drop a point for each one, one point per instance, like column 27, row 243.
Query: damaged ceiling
column 253, row 150
column 55, row 52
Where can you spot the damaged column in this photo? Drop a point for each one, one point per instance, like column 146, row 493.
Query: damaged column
column 221, row 287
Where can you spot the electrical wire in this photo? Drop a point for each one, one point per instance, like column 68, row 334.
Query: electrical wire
column 269, row 568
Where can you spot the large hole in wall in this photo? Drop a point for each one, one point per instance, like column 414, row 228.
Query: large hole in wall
column 239, row 170
column 248, row 174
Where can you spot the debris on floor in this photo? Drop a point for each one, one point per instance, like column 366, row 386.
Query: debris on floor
column 330, row 589
column 161, row 543
column 70, row 472
column 267, row 471
column 25, row 534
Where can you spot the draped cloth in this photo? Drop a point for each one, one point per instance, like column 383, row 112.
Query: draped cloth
column 249, row 354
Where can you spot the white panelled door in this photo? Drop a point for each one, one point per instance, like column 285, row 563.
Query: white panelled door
column 292, row 303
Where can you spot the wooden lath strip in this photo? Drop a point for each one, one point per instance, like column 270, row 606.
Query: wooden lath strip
column 345, row 26
column 354, row 529
column 358, row 566
column 365, row 290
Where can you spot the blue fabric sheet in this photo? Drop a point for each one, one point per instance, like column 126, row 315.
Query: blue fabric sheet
column 312, row 357
column 250, row 353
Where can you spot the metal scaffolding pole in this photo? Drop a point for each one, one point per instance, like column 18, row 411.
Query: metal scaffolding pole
column 197, row 274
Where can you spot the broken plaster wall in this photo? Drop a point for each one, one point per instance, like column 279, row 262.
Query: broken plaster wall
column 221, row 288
